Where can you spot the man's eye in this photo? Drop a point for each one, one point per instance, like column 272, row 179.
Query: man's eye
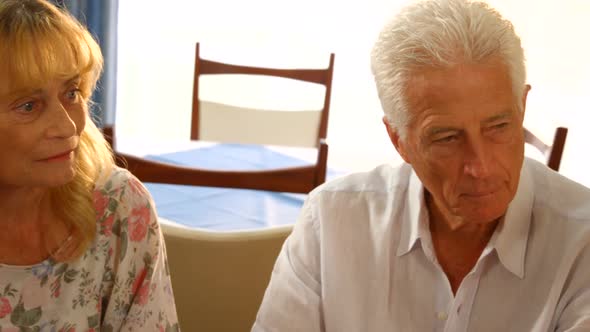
column 27, row 107
column 446, row 139
column 500, row 125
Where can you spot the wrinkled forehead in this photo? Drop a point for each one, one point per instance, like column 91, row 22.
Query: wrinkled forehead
column 426, row 86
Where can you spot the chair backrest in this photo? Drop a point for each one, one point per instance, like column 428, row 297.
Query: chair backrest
column 281, row 128
column 109, row 134
column 219, row 278
column 552, row 152
column 300, row 179
column 212, row 121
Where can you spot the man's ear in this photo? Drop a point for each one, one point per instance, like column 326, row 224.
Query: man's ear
column 525, row 93
column 396, row 141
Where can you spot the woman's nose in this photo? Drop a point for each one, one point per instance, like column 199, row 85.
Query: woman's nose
column 61, row 124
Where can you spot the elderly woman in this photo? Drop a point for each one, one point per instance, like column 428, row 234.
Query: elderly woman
column 80, row 245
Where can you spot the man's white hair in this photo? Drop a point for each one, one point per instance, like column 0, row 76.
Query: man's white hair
column 440, row 34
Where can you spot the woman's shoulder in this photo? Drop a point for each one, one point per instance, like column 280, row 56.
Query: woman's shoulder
column 117, row 179
column 119, row 199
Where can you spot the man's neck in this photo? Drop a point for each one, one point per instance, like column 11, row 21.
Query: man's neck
column 457, row 248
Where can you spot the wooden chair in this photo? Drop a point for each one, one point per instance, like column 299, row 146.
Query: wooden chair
column 109, row 134
column 300, row 179
column 219, row 278
column 289, row 179
column 552, row 152
column 256, row 125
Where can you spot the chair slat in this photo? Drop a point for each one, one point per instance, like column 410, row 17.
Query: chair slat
column 265, row 127
column 552, row 152
column 291, row 179
column 319, row 76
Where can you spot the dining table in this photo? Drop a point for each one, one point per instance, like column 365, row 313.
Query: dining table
column 223, row 209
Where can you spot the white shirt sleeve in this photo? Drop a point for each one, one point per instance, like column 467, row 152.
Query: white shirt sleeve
column 292, row 300
column 575, row 316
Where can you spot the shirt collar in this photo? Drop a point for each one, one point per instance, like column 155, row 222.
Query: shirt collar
column 416, row 221
column 511, row 237
column 509, row 240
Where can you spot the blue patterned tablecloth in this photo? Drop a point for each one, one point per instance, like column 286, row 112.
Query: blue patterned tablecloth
column 224, row 209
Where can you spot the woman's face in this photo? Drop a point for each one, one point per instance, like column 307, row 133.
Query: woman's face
column 40, row 131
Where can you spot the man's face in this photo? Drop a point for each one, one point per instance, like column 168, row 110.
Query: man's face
column 465, row 141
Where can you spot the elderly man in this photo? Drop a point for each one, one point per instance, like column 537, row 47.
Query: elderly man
column 467, row 234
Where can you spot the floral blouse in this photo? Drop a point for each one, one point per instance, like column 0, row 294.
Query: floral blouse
column 121, row 283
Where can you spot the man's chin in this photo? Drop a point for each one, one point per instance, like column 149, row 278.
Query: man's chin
column 483, row 217
column 483, row 209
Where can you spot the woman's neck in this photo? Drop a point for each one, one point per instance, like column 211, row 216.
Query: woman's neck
column 29, row 230
column 18, row 201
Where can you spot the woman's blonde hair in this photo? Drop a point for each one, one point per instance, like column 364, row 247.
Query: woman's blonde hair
column 39, row 42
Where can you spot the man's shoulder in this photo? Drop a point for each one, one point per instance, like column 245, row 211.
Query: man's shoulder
column 382, row 179
column 559, row 194
column 359, row 202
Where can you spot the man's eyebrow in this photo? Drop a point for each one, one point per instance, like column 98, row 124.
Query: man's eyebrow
column 439, row 130
column 494, row 118
column 442, row 130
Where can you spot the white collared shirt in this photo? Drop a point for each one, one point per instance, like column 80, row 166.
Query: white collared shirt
column 360, row 258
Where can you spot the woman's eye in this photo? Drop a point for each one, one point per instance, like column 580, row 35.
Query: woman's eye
column 73, row 95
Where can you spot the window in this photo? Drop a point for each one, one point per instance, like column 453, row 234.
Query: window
column 156, row 56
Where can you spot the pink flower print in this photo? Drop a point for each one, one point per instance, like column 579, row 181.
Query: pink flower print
column 5, row 307
column 107, row 225
column 141, row 287
column 142, row 294
column 138, row 280
column 100, row 203
column 136, row 186
column 10, row 329
column 138, row 223
column 67, row 329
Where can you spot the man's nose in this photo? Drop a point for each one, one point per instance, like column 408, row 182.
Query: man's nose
column 477, row 159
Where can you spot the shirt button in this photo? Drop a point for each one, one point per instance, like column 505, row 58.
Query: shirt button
column 442, row 315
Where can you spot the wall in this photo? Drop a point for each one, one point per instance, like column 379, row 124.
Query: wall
column 157, row 49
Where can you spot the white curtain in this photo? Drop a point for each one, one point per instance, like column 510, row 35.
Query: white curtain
column 156, row 57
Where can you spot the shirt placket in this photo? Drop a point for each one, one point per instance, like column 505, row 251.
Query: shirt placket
column 459, row 313
column 443, row 301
